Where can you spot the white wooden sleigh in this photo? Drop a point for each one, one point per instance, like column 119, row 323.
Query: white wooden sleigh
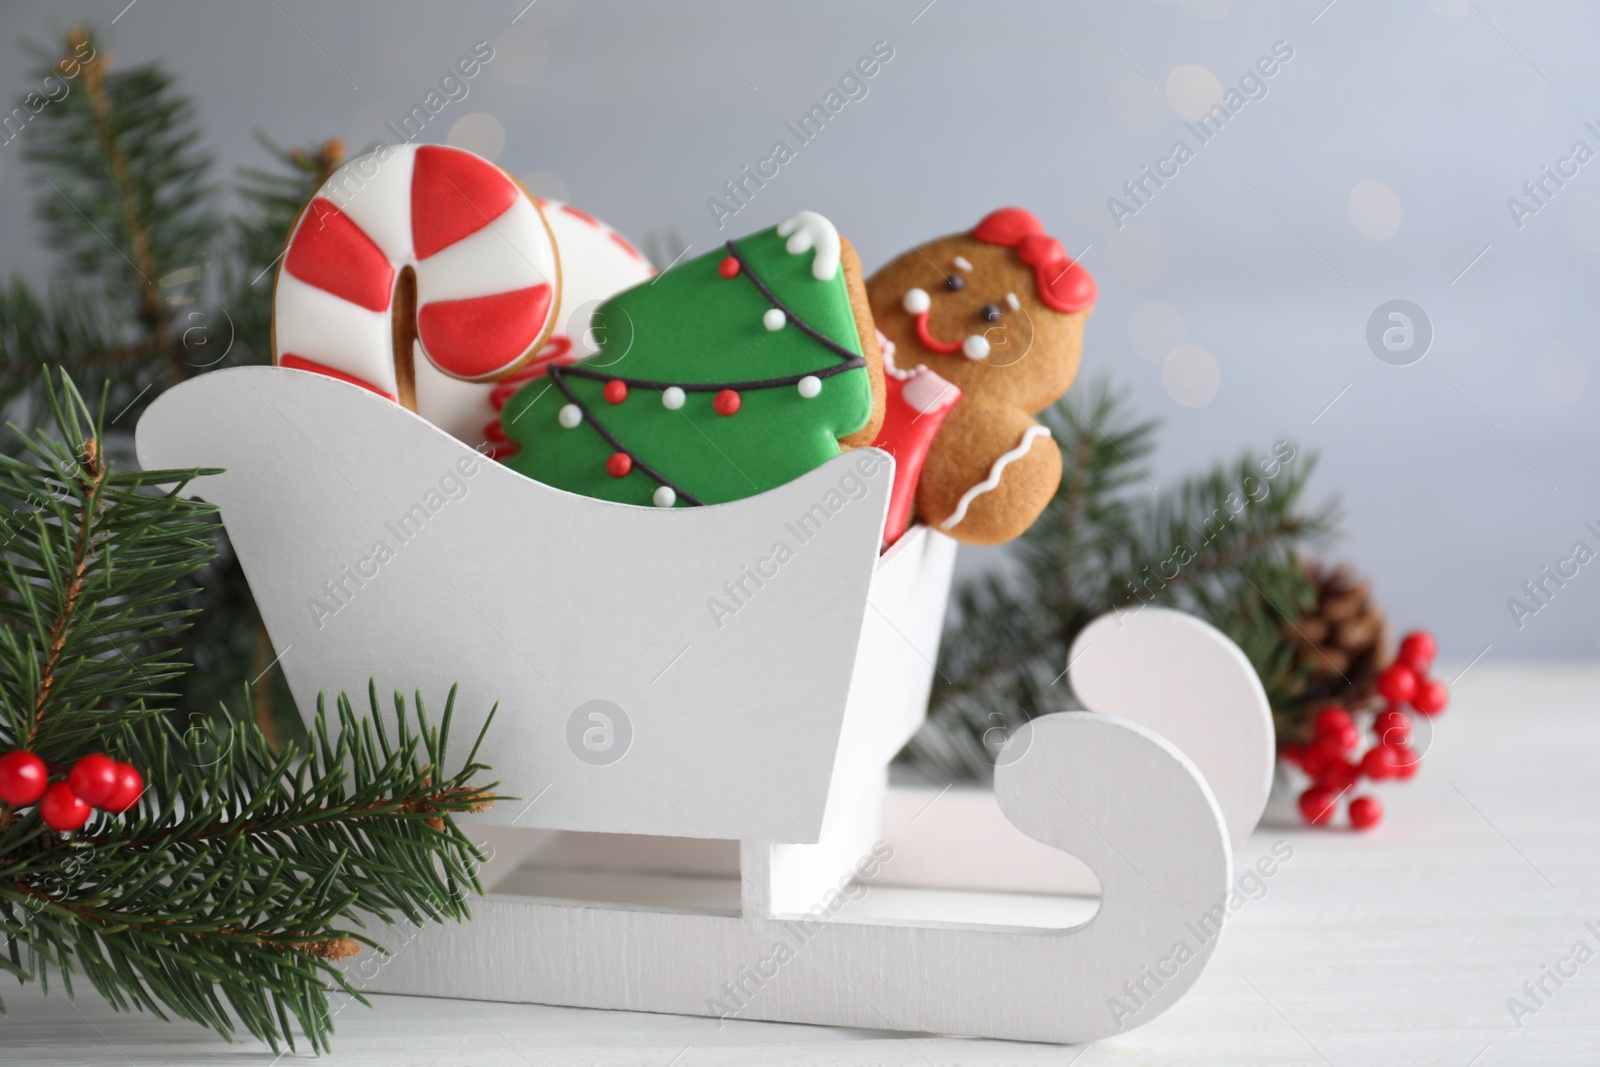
column 630, row 705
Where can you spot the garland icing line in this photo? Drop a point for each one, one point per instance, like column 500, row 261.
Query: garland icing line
column 851, row 362
column 800, row 324
column 556, row 375
column 995, row 473
column 709, row 387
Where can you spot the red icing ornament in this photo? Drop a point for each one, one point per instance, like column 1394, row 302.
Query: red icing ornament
column 1061, row 283
column 726, row 403
column 475, row 337
column 454, row 194
column 94, row 779
column 915, row 408
column 23, row 778
column 330, row 252
column 729, row 267
column 62, row 809
column 615, row 391
column 619, row 464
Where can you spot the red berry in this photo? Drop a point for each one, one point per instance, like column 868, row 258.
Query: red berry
column 1431, row 698
column 729, row 267
column 1338, row 775
column 62, row 809
column 130, row 786
column 1317, row 804
column 1314, row 758
column 94, row 779
column 23, row 778
column 619, row 464
column 1398, row 683
column 1365, row 813
column 1392, row 727
column 1403, row 761
column 1376, row 763
column 726, row 402
column 1332, row 721
column 615, row 391
column 1417, row 650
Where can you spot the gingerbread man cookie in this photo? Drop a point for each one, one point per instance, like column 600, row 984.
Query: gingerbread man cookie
column 999, row 313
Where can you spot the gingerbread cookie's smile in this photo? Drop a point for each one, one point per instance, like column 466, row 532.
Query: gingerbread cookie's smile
column 917, row 303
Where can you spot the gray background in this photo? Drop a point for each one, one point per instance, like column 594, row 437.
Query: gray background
column 1462, row 474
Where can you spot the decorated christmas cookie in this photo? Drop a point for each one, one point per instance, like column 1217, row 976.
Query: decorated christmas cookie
column 998, row 312
column 727, row 375
column 417, row 255
column 596, row 262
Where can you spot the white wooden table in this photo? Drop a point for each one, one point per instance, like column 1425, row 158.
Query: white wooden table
column 1400, row 946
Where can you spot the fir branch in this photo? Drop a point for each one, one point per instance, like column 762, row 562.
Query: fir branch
column 1224, row 545
column 243, row 875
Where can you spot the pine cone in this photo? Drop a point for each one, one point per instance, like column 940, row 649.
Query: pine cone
column 1340, row 645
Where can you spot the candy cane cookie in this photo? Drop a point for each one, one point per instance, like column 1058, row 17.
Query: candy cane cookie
column 416, row 255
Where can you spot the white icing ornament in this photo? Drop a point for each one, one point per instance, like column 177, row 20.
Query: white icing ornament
column 809, row 386
column 963, row 262
column 976, row 346
column 887, row 348
column 672, row 398
column 774, row 319
column 995, row 473
column 1012, row 302
column 664, row 497
column 570, row 416
column 916, row 301
column 808, row 230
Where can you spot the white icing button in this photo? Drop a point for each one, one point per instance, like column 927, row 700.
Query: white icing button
column 916, row 301
column 672, row 398
column 774, row 319
column 570, row 416
column 809, row 386
column 664, row 497
column 976, row 347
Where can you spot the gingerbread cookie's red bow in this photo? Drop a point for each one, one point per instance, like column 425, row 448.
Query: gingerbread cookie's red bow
column 1061, row 283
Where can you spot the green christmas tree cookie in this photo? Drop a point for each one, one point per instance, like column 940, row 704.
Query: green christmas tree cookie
column 725, row 376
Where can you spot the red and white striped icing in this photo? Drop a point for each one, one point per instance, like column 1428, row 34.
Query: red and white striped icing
column 597, row 262
column 488, row 285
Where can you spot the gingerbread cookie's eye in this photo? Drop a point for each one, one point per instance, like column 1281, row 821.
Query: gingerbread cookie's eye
column 989, row 313
column 955, row 283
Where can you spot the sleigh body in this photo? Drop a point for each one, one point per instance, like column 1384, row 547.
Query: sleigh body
column 738, row 675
